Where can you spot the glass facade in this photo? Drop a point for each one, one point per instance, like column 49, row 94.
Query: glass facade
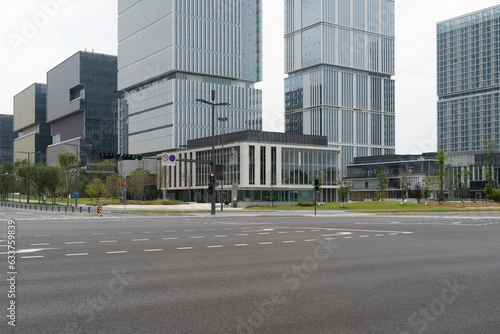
column 339, row 56
column 7, row 136
column 189, row 49
column 302, row 166
column 468, row 67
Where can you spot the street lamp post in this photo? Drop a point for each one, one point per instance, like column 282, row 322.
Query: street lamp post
column 213, row 104
column 222, row 119
column 28, row 153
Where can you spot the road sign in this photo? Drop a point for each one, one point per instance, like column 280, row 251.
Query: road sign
column 168, row 159
column 125, row 186
column 125, row 190
column 77, row 194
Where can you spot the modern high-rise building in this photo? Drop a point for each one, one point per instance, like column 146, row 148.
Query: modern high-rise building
column 7, row 136
column 172, row 53
column 468, row 68
column 30, row 120
column 339, row 56
column 82, row 105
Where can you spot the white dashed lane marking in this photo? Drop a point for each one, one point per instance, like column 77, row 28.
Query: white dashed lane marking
column 240, row 245
column 117, row 252
column 77, row 254
column 108, row 241
column 215, row 246
column 42, row 244
column 185, row 248
column 32, row 257
column 134, row 240
column 169, row 238
column 153, row 250
column 74, row 242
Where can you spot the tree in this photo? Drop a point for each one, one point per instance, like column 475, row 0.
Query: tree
column 489, row 190
column 404, row 184
column 417, row 190
column 114, row 184
column 96, row 189
column 440, row 162
column 55, row 177
column 427, row 186
column 137, row 182
column 462, row 180
column 383, row 183
column 344, row 191
column 68, row 162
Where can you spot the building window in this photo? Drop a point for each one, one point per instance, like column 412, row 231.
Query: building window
column 77, row 92
column 251, row 164
column 262, row 165
column 273, row 165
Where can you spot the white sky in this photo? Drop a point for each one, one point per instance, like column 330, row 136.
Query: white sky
column 60, row 28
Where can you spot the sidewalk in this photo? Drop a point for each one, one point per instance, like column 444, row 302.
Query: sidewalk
column 180, row 207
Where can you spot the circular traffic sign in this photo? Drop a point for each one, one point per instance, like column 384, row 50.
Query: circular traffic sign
column 125, row 186
column 77, row 194
column 165, row 157
column 172, row 158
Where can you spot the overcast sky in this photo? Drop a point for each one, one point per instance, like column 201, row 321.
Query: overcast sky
column 39, row 34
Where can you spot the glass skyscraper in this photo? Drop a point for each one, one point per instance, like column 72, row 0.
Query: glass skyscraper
column 468, row 68
column 171, row 53
column 339, row 56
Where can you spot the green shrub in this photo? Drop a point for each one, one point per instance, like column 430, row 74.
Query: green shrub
column 306, row 203
column 496, row 195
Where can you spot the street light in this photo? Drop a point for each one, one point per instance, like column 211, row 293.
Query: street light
column 222, row 119
column 28, row 153
column 213, row 139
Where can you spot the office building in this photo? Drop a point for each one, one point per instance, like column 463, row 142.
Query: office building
column 253, row 165
column 7, row 136
column 170, row 54
column 339, row 57
column 30, row 122
column 468, row 68
column 362, row 173
column 82, row 106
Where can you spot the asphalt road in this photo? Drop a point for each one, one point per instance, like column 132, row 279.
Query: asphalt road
column 437, row 273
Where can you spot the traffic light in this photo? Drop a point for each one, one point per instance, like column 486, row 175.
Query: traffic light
column 316, row 184
column 212, row 178
column 109, row 156
column 131, row 157
column 210, row 187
